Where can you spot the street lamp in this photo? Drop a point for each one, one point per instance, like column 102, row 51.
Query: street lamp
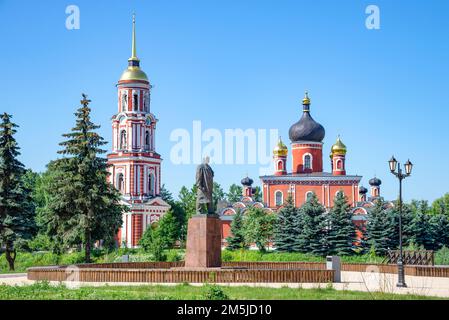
column 401, row 176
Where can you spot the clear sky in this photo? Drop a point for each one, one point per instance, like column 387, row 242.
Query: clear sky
column 241, row 64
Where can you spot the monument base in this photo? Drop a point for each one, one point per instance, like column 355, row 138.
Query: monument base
column 203, row 248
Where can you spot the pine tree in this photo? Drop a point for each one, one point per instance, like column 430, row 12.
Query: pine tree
column 237, row 239
column 16, row 206
column 342, row 234
column 378, row 229
column 84, row 207
column 313, row 234
column 440, row 231
column 235, row 193
column 421, row 230
column 286, row 228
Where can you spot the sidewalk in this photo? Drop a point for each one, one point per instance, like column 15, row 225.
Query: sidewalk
column 354, row 281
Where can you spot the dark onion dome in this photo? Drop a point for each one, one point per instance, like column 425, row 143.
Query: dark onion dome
column 363, row 190
column 306, row 129
column 247, row 182
column 375, row 182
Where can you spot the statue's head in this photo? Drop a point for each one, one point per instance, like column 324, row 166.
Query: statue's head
column 206, row 160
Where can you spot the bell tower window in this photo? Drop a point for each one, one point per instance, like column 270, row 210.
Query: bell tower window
column 124, row 101
column 147, row 140
column 151, row 186
column 136, row 100
column 123, row 139
column 120, row 183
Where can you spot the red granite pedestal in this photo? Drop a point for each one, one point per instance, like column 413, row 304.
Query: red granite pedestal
column 203, row 242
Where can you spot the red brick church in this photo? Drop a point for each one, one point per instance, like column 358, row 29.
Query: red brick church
column 306, row 176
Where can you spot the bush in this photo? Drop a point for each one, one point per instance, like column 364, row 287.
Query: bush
column 442, row 256
column 214, row 292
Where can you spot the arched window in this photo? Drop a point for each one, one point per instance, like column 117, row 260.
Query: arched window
column 124, row 101
column 307, row 161
column 280, row 165
column 339, row 164
column 279, row 198
column 151, row 186
column 136, row 101
column 123, row 139
column 120, row 183
column 147, row 140
column 309, row 195
column 339, row 191
column 146, row 102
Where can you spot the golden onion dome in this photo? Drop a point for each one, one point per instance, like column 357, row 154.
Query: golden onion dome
column 133, row 72
column 280, row 149
column 339, row 147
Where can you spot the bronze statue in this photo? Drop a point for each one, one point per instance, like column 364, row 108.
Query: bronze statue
column 205, row 185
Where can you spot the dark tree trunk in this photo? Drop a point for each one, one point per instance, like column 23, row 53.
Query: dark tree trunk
column 10, row 257
column 88, row 247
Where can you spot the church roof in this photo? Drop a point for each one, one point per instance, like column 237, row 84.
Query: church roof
column 315, row 177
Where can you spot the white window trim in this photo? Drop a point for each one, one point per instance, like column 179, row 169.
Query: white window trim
column 275, row 198
column 307, row 193
column 304, row 161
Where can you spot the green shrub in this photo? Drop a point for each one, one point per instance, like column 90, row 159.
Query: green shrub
column 214, row 292
column 442, row 256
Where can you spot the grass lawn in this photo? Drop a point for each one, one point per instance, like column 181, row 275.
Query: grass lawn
column 44, row 291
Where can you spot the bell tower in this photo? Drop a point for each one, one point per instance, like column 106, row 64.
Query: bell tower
column 135, row 164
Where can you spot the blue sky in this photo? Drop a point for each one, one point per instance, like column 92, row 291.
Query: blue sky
column 241, row 64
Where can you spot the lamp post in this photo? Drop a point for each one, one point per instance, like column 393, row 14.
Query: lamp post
column 401, row 176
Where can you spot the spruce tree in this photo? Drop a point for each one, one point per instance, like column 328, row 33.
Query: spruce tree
column 439, row 224
column 421, row 231
column 286, row 228
column 235, row 193
column 313, row 228
column 378, row 229
column 237, row 239
column 85, row 207
column 342, row 234
column 16, row 206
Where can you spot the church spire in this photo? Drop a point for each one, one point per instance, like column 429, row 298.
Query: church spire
column 133, row 60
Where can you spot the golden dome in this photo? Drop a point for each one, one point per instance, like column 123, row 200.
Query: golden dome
column 339, row 147
column 280, row 149
column 133, row 73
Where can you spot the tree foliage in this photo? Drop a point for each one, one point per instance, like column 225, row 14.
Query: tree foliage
column 83, row 206
column 341, row 234
column 237, row 239
column 287, row 228
column 16, row 205
column 258, row 227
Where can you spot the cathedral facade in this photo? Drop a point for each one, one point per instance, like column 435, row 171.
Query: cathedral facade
column 135, row 165
column 307, row 176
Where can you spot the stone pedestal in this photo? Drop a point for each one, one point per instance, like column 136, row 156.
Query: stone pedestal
column 203, row 242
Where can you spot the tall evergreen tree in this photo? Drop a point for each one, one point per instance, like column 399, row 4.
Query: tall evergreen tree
column 237, row 239
column 84, row 207
column 16, row 206
column 421, row 230
column 342, row 234
column 440, row 230
column 235, row 193
column 313, row 234
column 286, row 228
column 378, row 229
